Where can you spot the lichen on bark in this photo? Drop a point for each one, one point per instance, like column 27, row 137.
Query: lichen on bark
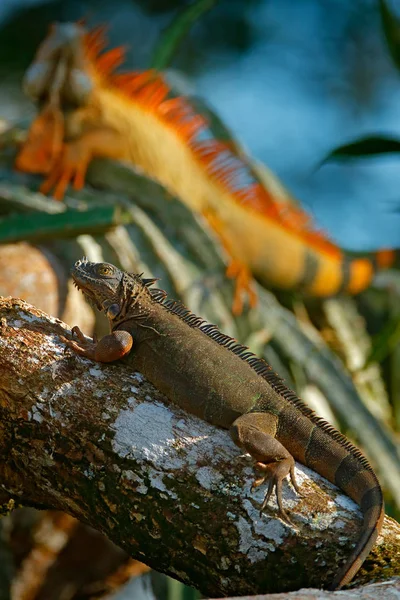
column 102, row 444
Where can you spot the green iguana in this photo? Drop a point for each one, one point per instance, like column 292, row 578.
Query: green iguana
column 214, row 377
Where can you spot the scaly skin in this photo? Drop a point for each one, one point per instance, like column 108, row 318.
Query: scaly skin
column 212, row 376
column 132, row 117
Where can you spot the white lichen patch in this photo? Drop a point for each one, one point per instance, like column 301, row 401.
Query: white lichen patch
column 96, row 371
column 140, row 487
column 53, row 341
column 26, row 317
column 54, row 367
column 157, row 481
column 338, row 516
column 146, row 432
column 132, row 401
column 137, row 377
column 270, row 528
column 208, row 478
column 347, row 503
column 290, row 498
column 322, row 520
column 213, row 445
column 304, row 475
column 66, row 388
column 254, row 549
column 35, row 414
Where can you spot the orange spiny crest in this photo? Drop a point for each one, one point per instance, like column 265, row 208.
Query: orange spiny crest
column 121, row 80
column 225, row 174
column 153, row 94
column 190, row 127
column 220, row 159
column 208, row 150
column 130, row 84
column 257, row 197
column 175, row 105
column 111, row 60
column 95, row 41
column 159, row 93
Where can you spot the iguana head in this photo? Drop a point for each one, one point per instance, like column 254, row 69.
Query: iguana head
column 59, row 70
column 111, row 290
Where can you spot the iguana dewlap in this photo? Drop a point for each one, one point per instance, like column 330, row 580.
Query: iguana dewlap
column 212, row 376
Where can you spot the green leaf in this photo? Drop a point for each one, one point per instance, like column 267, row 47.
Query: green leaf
column 384, row 342
column 70, row 223
column 391, row 29
column 173, row 35
column 368, row 146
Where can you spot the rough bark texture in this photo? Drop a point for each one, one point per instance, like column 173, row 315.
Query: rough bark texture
column 387, row 590
column 102, row 444
column 35, row 274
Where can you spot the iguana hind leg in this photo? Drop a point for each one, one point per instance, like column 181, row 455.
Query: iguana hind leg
column 254, row 433
column 111, row 347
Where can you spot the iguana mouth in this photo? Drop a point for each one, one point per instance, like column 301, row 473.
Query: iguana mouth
column 81, row 280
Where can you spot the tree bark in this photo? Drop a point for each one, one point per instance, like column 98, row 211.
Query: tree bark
column 102, row 444
column 386, row 590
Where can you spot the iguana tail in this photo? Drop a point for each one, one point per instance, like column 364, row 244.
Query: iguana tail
column 328, row 274
column 372, row 506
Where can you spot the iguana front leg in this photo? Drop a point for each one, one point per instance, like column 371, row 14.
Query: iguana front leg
column 111, row 347
column 76, row 156
column 237, row 269
column 254, row 433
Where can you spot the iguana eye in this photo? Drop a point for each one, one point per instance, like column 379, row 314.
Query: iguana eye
column 104, row 270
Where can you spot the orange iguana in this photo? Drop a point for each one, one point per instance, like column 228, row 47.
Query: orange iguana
column 90, row 110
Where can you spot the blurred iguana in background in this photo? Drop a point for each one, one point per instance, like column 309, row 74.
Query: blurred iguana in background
column 87, row 110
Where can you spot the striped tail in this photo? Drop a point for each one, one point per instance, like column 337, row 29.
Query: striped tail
column 330, row 274
column 373, row 510
column 357, row 273
column 317, row 444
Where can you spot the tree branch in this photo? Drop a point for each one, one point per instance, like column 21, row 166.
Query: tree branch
column 102, row 444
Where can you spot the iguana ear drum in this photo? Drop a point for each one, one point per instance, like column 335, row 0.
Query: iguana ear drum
column 113, row 311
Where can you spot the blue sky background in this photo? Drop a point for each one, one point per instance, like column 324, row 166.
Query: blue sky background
column 316, row 74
